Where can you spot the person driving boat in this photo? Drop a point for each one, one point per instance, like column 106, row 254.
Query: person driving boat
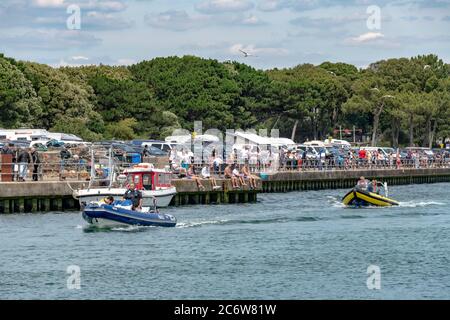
column 362, row 183
column 135, row 196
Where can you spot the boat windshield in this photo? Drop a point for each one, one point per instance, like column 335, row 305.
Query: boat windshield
column 147, row 181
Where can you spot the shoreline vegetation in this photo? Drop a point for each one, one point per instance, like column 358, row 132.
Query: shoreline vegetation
column 395, row 102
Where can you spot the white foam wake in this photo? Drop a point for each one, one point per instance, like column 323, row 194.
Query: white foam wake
column 130, row 228
column 335, row 202
column 415, row 204
column 198, row 223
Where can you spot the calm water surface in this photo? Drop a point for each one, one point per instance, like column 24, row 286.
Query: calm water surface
column 299, row 245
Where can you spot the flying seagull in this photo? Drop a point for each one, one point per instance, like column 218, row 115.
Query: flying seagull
column 246, row 54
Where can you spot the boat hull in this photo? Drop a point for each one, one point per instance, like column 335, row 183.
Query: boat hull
column 358, row 198
column 163, row 196
column 109, row 216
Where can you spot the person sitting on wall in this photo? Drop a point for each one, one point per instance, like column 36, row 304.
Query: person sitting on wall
column 239, row 176
column 251, row 178
column 228, row 173
column 190, row 174
column 206, row 174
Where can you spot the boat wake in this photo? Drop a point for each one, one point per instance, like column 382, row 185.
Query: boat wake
column 415, row 204
column 131, row 228
column 249, row 221
column 335, row 202
column 199, row 223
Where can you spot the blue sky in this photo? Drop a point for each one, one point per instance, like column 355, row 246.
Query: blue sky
column 278, row 33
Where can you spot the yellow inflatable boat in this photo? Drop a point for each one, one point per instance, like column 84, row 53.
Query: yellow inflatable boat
column 358, row 197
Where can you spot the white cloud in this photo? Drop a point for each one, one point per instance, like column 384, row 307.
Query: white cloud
column 78, row 61
column 374, row 40
column 252, row 20
column 270, row 5
column 46, row 40
column 101, row 5
column 173, row 20
column 367, row 37
column 48, row 3
column 76, row 58
column 221, row 6
column 106, row 21
column 104, row 5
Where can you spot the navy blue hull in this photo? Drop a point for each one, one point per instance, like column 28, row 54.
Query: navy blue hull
column 95, row 214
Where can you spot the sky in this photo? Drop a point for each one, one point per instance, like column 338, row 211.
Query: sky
column 275, row 33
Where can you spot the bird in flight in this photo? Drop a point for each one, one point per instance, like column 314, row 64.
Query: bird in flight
column 246, row 54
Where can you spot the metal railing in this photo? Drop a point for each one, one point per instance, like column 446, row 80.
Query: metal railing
column 329, row 165
column 71, row 170
column 64, row 170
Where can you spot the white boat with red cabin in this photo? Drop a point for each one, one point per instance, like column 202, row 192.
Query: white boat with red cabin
column 155, row 184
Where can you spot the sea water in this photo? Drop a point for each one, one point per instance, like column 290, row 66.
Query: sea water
column 298, row 245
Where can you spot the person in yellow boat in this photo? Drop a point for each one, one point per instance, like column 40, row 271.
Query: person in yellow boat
column 362, row 183
column 373, row 187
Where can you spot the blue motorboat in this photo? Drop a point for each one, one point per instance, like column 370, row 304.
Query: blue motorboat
column 120, row 213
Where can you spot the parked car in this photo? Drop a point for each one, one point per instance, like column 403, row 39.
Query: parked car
column 152, row 150
column 423, row 152
column 19, row 143
column 39, row 147
column 122, row 151
column 158, row 144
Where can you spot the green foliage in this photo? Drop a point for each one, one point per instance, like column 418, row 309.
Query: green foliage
column 394, row 101
column 77, row 126
column 62, row 100
column 198, row 89
column 122, row 130
column 311, row 95
column 19, row 103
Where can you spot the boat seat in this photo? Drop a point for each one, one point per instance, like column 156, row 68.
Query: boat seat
column 123, row 204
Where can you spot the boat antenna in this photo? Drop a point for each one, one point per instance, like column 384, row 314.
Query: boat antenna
column 110, row 167
column 92, row 168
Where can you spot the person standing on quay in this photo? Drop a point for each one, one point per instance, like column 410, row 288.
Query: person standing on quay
column 23, row 160
column 7, row 150
column 36, row 163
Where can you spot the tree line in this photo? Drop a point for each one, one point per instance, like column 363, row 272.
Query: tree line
column 396, row 102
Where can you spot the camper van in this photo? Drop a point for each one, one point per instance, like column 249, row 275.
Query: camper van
column 37, row 135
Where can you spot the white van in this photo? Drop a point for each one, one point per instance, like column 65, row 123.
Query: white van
column 337, row 143
column 314, row 143
column 311, row 151
column 161, row 145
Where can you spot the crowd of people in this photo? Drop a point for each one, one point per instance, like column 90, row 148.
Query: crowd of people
column 318, row 158
column 346, row 159
column 241, row 165
column 28, row 163
column 21, row 160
